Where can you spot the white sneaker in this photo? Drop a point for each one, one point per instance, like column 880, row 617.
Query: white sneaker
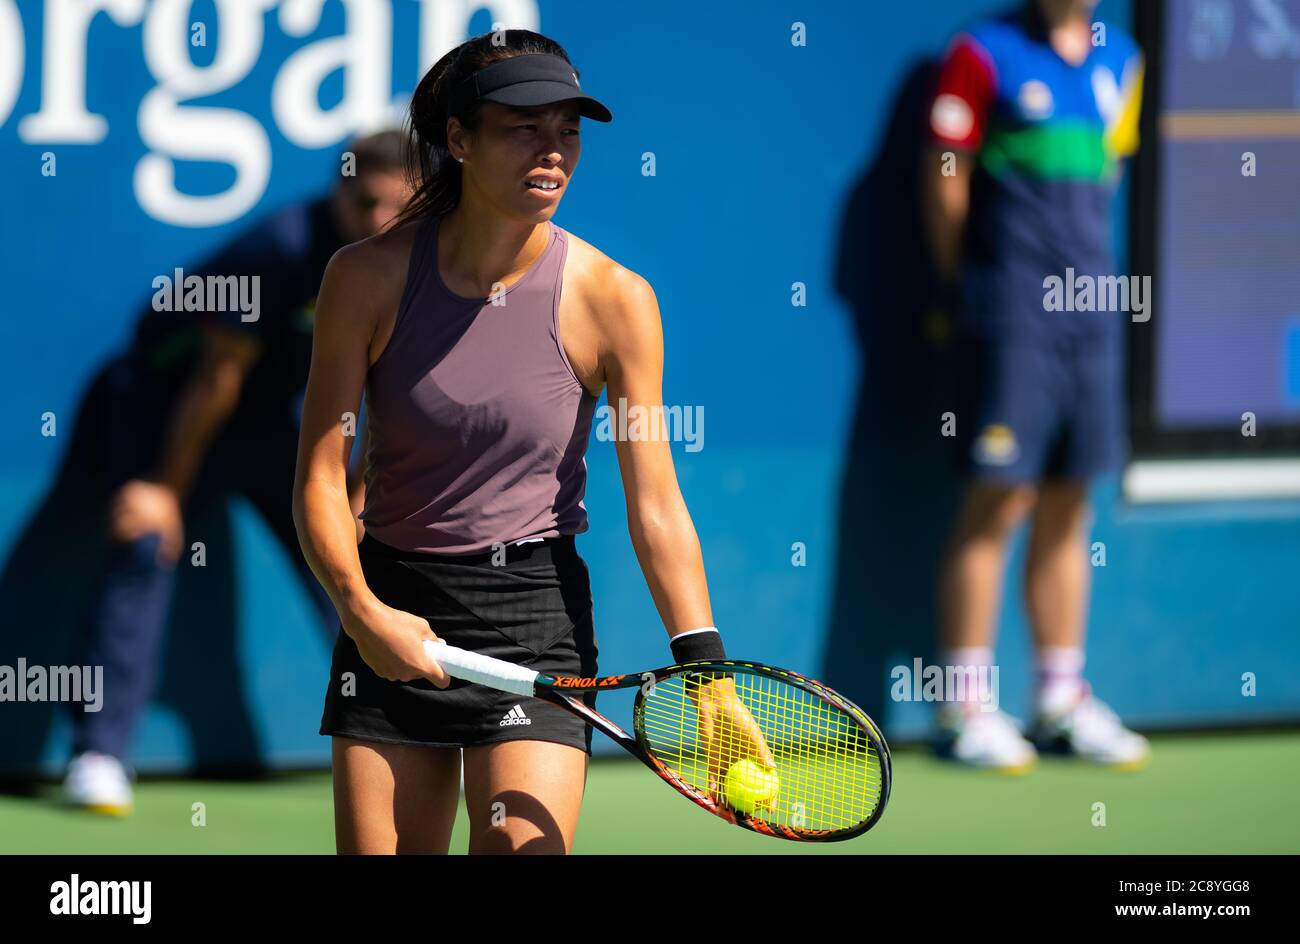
column 99, row 783
column 1091, row 730
column 987, row 739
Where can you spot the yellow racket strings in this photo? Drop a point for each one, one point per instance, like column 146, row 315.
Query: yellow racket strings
column 817, row 770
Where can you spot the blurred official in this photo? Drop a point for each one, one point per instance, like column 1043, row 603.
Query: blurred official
column 1031, row 118
column 203, row 405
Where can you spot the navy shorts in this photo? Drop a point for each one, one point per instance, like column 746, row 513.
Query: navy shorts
column 1031, row 411
column 534, row 609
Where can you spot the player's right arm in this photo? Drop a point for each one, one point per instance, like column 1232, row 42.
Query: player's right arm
column 958, row 114
column 360, row 291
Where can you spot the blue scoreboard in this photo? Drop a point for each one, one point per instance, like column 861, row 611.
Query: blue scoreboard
column 1216, row 223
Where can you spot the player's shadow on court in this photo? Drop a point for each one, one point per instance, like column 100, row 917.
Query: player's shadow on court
column 45, row 586
column 899, row 488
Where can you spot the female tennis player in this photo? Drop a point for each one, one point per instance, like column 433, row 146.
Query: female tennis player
column 482, row 335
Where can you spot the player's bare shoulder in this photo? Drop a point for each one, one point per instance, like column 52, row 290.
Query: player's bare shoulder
column 606, row 312
column 610, row 293
column 377, row 265
column 365, row 281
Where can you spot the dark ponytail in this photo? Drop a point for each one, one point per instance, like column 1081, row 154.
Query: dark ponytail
column 434, row 174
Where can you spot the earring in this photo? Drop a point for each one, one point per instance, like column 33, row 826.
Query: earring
column 460, row 160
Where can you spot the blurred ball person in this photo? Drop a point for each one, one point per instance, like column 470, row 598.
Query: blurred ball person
column 1031, row 118
column 205, row 404
column 482, row 334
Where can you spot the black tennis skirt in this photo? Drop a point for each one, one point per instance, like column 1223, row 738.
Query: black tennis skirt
column 533, row 609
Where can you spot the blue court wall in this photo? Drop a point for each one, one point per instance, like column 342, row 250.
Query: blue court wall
column 774, row 163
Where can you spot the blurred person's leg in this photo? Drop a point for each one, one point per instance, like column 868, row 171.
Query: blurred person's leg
column 973, row 730
column 124, row 636
column 974, row 563
column 1069, row 718
column 129, row 606
column 1006, row 426
column 1057, row 579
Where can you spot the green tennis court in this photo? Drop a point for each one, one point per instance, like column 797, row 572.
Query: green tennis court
column 1223, row 793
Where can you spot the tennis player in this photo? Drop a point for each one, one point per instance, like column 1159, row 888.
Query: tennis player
column 203, row 405
column 482, row 334
column 1038, row 109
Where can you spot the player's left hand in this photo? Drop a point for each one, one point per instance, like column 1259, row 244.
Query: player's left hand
column 728, row 733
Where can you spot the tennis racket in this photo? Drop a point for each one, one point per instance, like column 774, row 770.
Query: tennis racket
column 762, row 748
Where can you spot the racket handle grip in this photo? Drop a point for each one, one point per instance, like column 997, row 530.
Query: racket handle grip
column 484, row 670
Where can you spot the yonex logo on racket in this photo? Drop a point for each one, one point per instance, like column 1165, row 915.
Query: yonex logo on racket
column 575, row 683
column 587, row 682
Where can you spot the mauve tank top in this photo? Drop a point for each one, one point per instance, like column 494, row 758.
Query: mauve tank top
column 477, row 426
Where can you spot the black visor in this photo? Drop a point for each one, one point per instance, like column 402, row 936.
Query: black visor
column 527, row 81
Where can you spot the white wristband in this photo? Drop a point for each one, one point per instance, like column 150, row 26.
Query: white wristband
column 692, row 632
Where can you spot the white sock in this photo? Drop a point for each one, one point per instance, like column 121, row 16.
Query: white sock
column 1060, row 678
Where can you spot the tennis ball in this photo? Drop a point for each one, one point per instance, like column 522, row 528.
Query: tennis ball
column 749, row 784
